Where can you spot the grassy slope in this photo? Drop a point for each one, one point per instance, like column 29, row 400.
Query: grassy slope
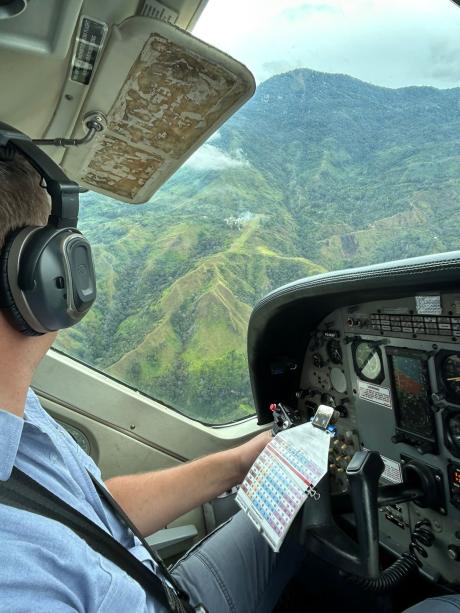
column 202, row 329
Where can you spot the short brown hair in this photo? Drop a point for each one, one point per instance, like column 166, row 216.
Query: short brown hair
column 23, row 202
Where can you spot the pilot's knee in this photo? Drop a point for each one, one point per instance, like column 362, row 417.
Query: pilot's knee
column 440, row 604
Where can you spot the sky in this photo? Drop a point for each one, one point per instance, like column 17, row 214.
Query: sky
column 393, row 43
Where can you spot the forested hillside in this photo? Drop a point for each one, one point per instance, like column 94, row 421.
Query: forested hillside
column 316, row 172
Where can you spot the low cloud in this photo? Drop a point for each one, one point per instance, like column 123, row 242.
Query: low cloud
column 209, row 157
column 444, row 64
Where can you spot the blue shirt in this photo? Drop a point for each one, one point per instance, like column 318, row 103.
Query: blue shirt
column 44, row 566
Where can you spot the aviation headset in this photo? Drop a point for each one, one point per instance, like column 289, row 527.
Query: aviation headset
column 47, row 279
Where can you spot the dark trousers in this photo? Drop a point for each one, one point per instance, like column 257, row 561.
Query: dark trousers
column 233, row 570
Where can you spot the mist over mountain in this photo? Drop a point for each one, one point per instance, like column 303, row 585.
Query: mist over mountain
column 317, row 172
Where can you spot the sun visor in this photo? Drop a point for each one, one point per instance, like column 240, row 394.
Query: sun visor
column 164, row 92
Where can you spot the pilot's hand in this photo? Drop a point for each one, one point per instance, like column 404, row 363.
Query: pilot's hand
column 248, row 452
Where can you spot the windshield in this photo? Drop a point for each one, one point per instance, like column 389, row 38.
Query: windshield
column 347, row 155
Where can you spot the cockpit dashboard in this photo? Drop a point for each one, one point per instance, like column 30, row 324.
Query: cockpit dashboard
column 390, row 365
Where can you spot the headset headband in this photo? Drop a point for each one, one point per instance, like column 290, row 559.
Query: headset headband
column 64, row 192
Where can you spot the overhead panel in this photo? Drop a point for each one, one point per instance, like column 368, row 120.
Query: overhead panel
column 33, row 62
column 163, row 93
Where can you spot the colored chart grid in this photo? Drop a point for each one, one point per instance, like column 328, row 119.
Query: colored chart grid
column 273, row 496
column 298, row 460
column 282, row 478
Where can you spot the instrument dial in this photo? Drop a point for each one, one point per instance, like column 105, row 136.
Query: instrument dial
column 368, row 361
column 334, row 351
column 453, row 431
column 450, row 372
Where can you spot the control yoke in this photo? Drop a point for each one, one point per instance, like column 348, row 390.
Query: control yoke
column 364, row 472
column 327, row 540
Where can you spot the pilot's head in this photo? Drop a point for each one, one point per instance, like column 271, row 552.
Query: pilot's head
column 23, row 202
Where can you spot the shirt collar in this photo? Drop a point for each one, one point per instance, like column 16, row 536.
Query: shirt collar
column 10, row 436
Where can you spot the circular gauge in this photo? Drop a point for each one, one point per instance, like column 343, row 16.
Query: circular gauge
column 368, row 361
column 450, row 372
column 453, row 432
column 334, row 351
column 338, row 380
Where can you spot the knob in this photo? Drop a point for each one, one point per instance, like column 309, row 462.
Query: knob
column 317, row 360
column 343, row 410
column 453, row 552
column 349, row 436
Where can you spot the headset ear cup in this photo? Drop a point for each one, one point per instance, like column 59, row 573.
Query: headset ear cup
column 7, row 302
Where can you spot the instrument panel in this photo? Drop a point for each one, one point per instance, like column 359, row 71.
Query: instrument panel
column 392, row 370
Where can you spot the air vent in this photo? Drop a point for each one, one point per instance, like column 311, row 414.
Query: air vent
column 157, row 10
column 12, row 8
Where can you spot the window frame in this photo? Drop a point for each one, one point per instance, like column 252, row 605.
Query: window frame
column 62, row 379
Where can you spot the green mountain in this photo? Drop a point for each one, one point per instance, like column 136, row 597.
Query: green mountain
column 317, row 172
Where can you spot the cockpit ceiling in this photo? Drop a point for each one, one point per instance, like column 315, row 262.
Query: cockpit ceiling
column 162, row 91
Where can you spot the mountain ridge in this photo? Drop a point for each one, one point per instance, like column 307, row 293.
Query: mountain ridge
column 319, row 171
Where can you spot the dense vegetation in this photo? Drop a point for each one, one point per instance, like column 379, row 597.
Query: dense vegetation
column 317, row 172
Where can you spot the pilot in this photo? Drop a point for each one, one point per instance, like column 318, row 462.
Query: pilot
column 44, row 565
